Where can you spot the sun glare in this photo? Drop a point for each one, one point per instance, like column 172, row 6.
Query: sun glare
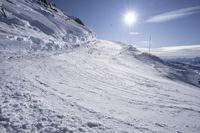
column 130, row 18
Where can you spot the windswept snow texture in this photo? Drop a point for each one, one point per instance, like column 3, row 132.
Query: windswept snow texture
column 84, row 84
column 32, row 26
column 102, row 87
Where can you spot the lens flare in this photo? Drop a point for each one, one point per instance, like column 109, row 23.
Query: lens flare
column 130, row 18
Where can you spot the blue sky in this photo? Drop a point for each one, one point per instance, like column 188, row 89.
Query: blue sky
column 169, row 22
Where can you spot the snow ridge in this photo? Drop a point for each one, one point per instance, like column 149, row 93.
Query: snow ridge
column 32, row 26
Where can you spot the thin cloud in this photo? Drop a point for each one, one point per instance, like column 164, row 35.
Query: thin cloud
column 141, row 44
column 171, row 15
column 134, row 33
column 175, row 51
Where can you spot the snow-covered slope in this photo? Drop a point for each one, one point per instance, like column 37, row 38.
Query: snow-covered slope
column 32, row 26
column 100, row 86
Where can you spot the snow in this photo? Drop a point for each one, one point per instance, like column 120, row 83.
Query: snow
column 93, row 89
column 88, row 86
column 30, row 26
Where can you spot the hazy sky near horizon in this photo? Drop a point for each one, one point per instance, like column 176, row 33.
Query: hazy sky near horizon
column 169, row 22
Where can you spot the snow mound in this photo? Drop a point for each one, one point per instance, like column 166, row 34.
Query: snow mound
column 142, row 56
column 33, row 26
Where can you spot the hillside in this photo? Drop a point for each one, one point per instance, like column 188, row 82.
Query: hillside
column 55, row 76
column 33, row 26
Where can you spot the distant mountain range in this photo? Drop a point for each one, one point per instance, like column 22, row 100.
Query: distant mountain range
column 189, row 61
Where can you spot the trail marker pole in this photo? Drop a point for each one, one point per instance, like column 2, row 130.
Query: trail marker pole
column 149, row 44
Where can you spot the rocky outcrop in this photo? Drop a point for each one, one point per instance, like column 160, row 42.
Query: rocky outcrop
column 2, row 11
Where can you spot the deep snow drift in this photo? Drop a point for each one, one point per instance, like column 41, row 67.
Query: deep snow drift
column 30, row 26
column 84, row 84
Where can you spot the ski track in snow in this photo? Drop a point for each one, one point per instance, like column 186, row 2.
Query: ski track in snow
column 93, row 89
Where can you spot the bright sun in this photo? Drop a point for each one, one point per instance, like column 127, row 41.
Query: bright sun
column 130, row 18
